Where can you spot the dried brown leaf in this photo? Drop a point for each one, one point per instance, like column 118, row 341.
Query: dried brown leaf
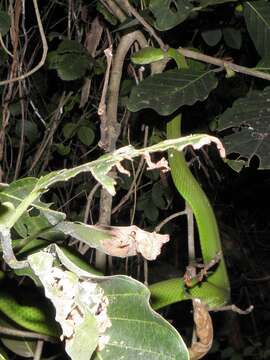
column 204, row 331
column 131, row 240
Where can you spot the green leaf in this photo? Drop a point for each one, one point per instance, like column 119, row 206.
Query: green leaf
column 169, row 13
column 172, row 89
column 115, row 310
column 69, row 130
column 3, row 354
column 4, row 22
column 232, row 37
column 212, row 37
column 86, row 135
column 257, row 16
column 159, row 194
column 70, row 60
column 236, row 165
column 24, row 348
column 62, row 149
column 70, row 46
column 72, row 67
column 148, row 207
column 249, row 117
column 30, row 130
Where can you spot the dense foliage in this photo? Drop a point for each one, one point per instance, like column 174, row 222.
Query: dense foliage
column 67, row 112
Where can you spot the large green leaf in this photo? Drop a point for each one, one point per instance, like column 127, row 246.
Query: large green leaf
column 249, row 117
column 170, row 13
column 257, row 16
column 172, row 89
column 70, row 60
column 115, row 310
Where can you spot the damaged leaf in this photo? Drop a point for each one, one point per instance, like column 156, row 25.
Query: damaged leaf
column 118, row 241
column 99, row 169
column 104, row 317
column 204, row 331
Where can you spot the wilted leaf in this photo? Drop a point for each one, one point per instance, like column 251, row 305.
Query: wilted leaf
column 204, row 331
column 119, row 241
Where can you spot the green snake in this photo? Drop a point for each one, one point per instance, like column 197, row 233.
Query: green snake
column 215, row 291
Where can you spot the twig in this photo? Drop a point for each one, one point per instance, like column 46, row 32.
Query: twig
column 133, row 184
column 39, row 349
column 192, row 279
column 25, row 334
column 234, row 308
column 114, row 9
column 57, row 115
column 102, row 109
column 8, row 254
column 130, row 9
column 169, row 218
column 89, row 202
column 223, row 63
column 4, row 46
column 113, row 126
column 44, row 54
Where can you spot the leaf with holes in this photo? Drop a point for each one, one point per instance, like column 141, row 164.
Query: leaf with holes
column 115, row 310
column 169, row 13
column 172, row 89
column 257, row 16
column 249, row 119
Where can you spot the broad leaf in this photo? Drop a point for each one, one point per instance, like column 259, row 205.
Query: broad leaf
column 232, row 37
column 70, row 60
column 172, row 89
column 257, row 16
column 249, row 117
column 212, row 37
column 115, row 310
column 86, row 135
column 170, row 13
